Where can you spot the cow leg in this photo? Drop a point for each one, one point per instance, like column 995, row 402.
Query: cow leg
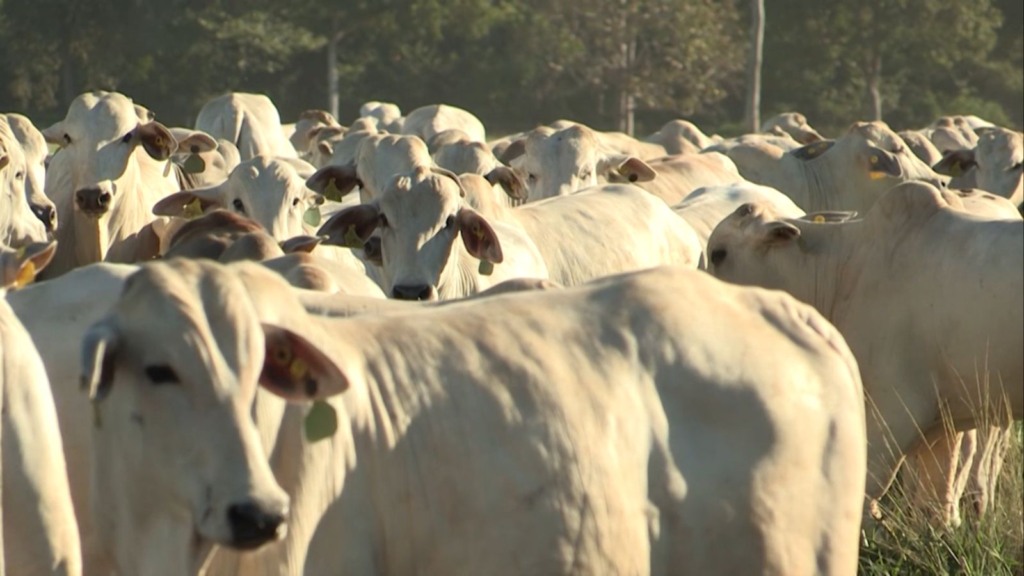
column 993, row 441
column 934, row 476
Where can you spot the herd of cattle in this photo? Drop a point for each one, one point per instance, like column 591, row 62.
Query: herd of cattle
column 564, row 351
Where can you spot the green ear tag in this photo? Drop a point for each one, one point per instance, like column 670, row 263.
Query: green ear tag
column 486, row 268
column 331, row 192
column 321, row 421
column 352, row 240
column 311, row 217
column 193, row 209
column 194, row 164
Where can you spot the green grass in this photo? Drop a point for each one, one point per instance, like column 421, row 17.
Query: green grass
column 906, row 544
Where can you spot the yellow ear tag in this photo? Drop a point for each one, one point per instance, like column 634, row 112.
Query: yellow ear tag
column 332, row 192
column 298, row 369
column 194, row 164
column 26, row 274
column 351, row 239
column 876, row 175
column 819, row 219
column 193, row 209
column 486, row 268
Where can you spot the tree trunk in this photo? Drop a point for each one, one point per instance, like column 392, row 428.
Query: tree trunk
column 627, row 102
column 752, row 118
column 332, row 74
column 874, row 87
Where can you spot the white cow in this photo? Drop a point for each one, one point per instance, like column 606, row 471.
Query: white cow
column 597, row 231
column 850, row 173
column 33, row 146
column 269, row 190
column 18, row 224
column 795, row 124
column 680, row 137
column 110, row 171
column 996, row 164
column 164, row 461
column 249, row 121
column 926, row 294
column 427, row 121
column 421, row 216
column 474, row 440
column 573, row 158
column 40, row 534
column 705, row 207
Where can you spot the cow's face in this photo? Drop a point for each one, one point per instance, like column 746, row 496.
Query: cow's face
column 745, row 247
column 18, row 225
column 98, row 137
column 172, row 372
column 1000, row 159
column 420, row 215
column 34, row 147
column 561, row 163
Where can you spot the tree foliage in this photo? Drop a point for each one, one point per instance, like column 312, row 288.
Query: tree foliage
column 519, row 62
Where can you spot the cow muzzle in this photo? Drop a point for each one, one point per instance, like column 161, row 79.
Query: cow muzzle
column 253, row 525
column 93, row 202
column 414, row 292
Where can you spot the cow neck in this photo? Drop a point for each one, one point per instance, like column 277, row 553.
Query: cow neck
column 459, row 278
column 819, row 185
column 828, row 277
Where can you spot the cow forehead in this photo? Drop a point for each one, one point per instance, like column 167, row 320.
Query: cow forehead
column 420, row 197
column 263, row 172
column 181, row 304
column 100, row 118
column 1001, row 142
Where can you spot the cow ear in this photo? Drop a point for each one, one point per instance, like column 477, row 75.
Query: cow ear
column 19, row 267
column 780, row 231
column 334, row 181
column 514, row 150
column 813, row 150
column 55, row 133
column 955, row 163
column 4, row 161
column 296, row 369
column 99, row 352
column 351, row 227
column 193, row 141
column 325, row 149
column 300, row 244
column 511, row 182
column 628, row 168
column 478, row 236
column 182, row 204
column 157, row 140
column 882, row 163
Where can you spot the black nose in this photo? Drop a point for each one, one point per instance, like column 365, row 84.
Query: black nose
column 93, row 200
column 47, row 215
column 252, row 526
column 414, row 292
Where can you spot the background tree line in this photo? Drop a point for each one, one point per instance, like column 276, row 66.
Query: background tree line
column 516, row 63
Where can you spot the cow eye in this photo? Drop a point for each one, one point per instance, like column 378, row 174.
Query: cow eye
column 67, row 139
column 450, row 222
column 127, row 137
column 1017, row 166
column 531, row 178
column 295, row 202
column 19, row 175
column 897, row 149
column 718, row 256
column 384, row 221
column 162, row 374
column 237, row 203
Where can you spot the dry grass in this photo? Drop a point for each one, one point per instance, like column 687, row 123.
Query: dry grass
column 906, row 543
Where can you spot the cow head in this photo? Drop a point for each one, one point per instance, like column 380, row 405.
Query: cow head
column 271, row 191
column 571, row 159
column 18, row 224
column 34, row 147
column 172, row 373
column 420, row 215
column 99, row 138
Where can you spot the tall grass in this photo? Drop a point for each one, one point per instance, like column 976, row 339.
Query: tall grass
column 906, row 543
